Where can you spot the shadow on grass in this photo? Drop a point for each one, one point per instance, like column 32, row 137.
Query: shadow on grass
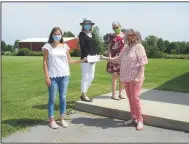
column 24, row 122
column 178, row 84
column 69, row 105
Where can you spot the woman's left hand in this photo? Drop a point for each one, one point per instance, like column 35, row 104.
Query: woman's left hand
column 136, row 80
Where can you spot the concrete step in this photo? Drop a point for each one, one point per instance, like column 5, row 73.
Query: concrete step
column 163, row 109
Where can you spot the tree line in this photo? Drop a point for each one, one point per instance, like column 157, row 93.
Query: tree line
column 155, row 47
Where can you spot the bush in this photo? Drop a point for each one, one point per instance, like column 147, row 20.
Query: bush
column 159, row 54
column 14, row 53
column 176, row 56
column 24, row 52
column 75, row 53
column 8, row 53
column 34, row 53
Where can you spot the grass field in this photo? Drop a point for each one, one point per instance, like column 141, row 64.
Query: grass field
column 24, row 93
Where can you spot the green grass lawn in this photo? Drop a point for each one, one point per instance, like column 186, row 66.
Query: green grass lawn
column 24, row 93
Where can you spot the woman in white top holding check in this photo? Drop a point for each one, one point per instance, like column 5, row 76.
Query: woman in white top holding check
column 87, row 47
column 56, row 60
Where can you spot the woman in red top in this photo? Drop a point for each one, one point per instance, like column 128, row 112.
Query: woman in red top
column 116, row 44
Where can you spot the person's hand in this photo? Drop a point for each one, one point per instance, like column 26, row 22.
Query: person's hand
column 84, row 59
column 136, row 80
column 48, row 82
column 103, row 57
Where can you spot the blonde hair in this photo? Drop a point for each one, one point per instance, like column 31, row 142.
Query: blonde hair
column 132, row 31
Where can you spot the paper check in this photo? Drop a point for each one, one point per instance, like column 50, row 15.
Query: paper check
column 95, row 58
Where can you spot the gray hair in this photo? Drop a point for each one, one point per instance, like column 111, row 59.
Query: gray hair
column 133, row 31
column 116, row 23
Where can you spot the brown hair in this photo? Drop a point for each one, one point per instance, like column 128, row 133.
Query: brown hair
column 51, row 40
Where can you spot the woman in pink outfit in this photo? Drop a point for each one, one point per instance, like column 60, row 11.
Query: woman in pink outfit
column 133, row 60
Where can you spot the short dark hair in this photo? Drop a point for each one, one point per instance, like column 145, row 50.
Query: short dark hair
column 51, row 40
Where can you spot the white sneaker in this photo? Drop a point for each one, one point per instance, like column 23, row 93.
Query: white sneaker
column 140, row 125
column 64, row 123
column 53, row 125
column 130, row 122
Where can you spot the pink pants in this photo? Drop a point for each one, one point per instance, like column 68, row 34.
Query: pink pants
column 133, row 93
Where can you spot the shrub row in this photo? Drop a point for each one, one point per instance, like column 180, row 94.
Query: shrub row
column 76, row 53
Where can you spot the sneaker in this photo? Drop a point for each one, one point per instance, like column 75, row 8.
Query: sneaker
column 133, row 122
column 63, row 123
column 53, row 125
column 140, row 126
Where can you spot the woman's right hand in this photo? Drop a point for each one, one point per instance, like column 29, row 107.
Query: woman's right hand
column 48, row 82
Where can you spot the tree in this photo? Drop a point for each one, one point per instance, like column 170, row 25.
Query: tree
column 16, row 44
column 123, row 30
column 152, row 41
column 161, row 45
column 9, row 48
column 68, row 34
column 105, row 38
column 147, row 48
column 152, row 47
column 187, row 48
column 173, row 47
column 183, row 46
column 3, row 46
column 98, row 40
column 166, row 43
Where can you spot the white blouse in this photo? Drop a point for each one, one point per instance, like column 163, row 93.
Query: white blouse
column 57, row 61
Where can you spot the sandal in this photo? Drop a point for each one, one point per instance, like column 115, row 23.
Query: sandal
column 83, row 98
column 131, row 122
column 115, row 98
column 121, row 97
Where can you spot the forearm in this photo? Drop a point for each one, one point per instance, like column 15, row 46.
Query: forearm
column 113, row 60
column 71, row 61
column 45, row 69
column 140, row 71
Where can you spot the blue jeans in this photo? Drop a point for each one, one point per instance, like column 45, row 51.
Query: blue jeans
column 61, row 84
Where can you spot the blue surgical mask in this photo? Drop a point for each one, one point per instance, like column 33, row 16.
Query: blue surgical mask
column 87, row 27
column 57, row 37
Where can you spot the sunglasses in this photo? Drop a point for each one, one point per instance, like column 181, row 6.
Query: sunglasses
column 115, row 28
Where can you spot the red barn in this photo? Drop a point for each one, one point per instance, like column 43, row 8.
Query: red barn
column 35, row 44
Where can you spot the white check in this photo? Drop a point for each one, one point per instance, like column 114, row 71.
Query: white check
column 95, row 58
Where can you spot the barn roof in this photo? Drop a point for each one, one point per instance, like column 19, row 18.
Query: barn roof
column 44, row 39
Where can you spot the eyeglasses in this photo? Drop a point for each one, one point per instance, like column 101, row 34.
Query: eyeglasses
column 131, row 35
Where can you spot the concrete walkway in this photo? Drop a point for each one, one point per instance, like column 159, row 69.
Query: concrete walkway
column 160, row 108
column 87, row 128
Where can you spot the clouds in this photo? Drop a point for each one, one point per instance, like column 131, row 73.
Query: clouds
column 22, row 20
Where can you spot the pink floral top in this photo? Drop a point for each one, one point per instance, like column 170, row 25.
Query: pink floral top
column 131, row 58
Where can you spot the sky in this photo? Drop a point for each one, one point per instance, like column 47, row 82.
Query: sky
column 22, row 20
